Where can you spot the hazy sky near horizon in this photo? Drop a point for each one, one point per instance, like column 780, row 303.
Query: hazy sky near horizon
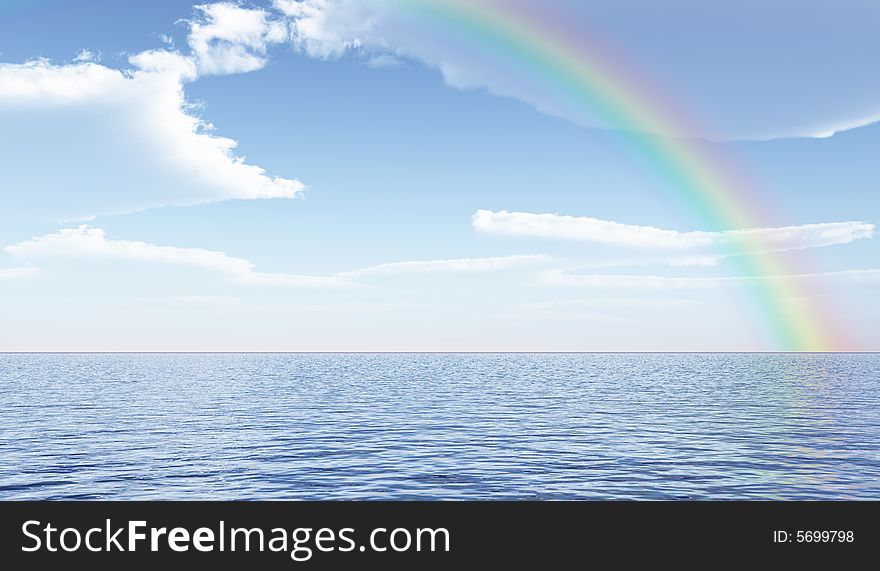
column 322, row 175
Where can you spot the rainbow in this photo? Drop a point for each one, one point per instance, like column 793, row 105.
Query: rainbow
column 523, row 36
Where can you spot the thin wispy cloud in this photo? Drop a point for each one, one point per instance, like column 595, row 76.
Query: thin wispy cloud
column 582, row 228
column 192, row 301
column 631, row 303
column 383, row 61
column 85, row 242
column 92, row 243
column 17, row 273
column 498, row 263
column 561, row 277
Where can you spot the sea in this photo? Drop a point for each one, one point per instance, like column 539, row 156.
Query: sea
column 440, row 426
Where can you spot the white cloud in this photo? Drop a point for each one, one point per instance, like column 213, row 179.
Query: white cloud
column 384, row 61
column 685, row 262
column 83, row 139
column 16, row 273
column 227, row 38
column 294, row 280
column 674, row 261
column 498, row 263
column 638, row 303
column 167, row 62
column 560, row 277
column 92, row 243
column 630, row 282
column 85, row 55
column 89, row 242
column 328, row 28
column 583, row 228
column 85, row 242
column 118, row 141
column 224, row 38
column 193, row 301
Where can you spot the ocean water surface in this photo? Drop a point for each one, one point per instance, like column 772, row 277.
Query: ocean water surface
column 440, row 426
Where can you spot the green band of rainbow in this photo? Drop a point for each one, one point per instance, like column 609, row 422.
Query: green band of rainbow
column 509, row 31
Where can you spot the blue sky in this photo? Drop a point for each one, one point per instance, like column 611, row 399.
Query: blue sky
column 276, row 177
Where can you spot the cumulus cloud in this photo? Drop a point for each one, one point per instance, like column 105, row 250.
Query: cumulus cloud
column 83, row 139
column 588, row 229
column 85, row 55
column 802, row 91
column 167, row 62
column 328, row 28
column 227, row 38
column 224, row 38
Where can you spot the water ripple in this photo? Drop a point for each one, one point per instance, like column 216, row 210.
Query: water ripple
column 440, row 426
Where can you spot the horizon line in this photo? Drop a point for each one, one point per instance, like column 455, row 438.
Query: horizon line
column 683, row 352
